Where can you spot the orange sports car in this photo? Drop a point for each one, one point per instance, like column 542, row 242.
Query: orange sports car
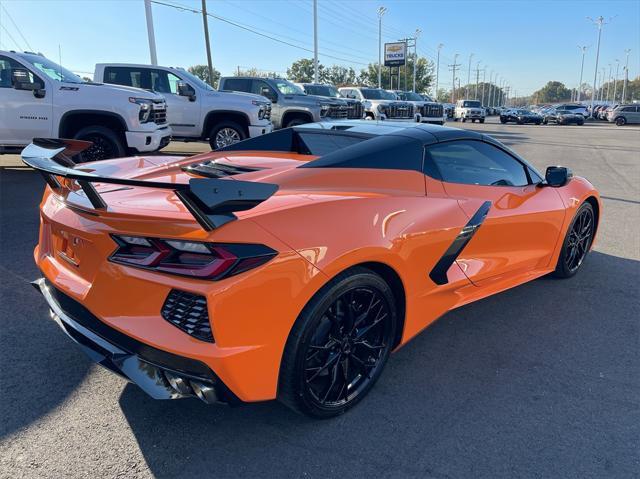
column 290, row 265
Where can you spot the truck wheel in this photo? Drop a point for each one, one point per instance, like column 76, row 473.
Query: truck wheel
column 481, row 120
column 226, row 133
column 295, row 122
column 106, row 144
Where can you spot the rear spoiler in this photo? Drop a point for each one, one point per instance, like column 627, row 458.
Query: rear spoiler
column 211, row 201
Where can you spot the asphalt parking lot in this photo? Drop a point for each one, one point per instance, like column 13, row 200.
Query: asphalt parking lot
column 540, row 381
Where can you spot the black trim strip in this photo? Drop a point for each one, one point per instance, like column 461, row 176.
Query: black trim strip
column 439, row 272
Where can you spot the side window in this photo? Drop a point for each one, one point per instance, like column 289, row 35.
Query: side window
column 237, row 84
column 6, row 71
column 258, row 85
column 629, row 108
column 126, row 76
column 160, row 81
column 475, row 163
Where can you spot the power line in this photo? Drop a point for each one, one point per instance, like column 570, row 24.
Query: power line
column 16, row 27
column 10, row 36
column 254, row 31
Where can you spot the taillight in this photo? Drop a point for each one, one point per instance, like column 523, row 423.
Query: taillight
column 195, row 259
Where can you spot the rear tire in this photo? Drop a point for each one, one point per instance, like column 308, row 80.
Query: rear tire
column 226, row 133
column 621, row 121
column 295, row 122
column 106, row 144
column 339, row 345
column 577, row 242
column 481, row 120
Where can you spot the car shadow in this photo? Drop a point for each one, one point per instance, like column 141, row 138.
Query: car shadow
column 511, row 386
column 39, row 367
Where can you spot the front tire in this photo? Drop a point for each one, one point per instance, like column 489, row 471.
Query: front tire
column 577, row 242
column 339, row 345
column 621, row 121
column 481, row 120
column 106, row 144
column 226, row 133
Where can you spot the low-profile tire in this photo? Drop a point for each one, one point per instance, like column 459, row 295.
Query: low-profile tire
column 226, row 133
column 621, row 121
column 106, row 144
column 339, row 345
column 577, row 242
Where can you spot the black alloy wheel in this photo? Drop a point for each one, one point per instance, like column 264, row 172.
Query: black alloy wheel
column 339, row 345
column 621, row 120
column 106, row 144
column 577, row 242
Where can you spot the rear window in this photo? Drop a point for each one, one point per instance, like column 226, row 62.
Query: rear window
column 237, row 84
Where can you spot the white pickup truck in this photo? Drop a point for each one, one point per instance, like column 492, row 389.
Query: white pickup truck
column 39, row 98
column 195, row 110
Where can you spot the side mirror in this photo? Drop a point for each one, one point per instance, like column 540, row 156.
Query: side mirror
column 20, row 81
column 557, row 176
column 184, row 89
column 268, row 93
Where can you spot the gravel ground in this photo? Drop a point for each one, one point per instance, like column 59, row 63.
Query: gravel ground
column 540, row 381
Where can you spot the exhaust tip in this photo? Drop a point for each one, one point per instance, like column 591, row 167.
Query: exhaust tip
column 205, row 392
column 178, row 383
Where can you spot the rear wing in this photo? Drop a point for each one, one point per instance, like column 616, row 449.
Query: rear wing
column 211, row 201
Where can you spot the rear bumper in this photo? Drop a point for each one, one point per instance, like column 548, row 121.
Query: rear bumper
column 162, row 375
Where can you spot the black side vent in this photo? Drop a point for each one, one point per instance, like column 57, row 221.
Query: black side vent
column 188, row 312
column 212, row 169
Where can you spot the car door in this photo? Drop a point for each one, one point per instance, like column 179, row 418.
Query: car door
column 183, row 114
column 23, row 116
column 523, row 220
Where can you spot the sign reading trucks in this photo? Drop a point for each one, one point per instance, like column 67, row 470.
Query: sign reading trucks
column 395, row 54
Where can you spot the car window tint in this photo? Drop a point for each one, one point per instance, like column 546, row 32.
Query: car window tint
column 126, row 76
column 6, row 67
column 476, row 163
column 320, row 144
column 237, row 84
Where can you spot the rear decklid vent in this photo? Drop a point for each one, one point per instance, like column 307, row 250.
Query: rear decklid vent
column 214, row 169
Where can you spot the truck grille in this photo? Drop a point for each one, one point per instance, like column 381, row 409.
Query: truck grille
column 159, row 117
column 400, row 110
column 188, row 312
column 338, row 112
column 431, row 111
column 355, row 111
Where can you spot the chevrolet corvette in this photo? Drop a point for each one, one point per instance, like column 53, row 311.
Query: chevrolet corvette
column 289, row 266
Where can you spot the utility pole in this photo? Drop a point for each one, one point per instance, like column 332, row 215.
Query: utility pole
column 381, row 12
column 609, row 83
column 583, row 49
column 438, row 69
column 599, row 22
column 150, row 33
column 453, row 68
column 492, row 89
column 205, row 22
column 475, row 96
column 415, row 55
column 626, row 76
column 315, row 41
column 484, row 82
column 468, row 76
column 615, row 81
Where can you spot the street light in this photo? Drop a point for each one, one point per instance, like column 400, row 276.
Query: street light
column 381, row 12
column 615, row 81
column 626, row 76
column 468, row 76
column 415, row 55
column 583, row 49
column 438, row 70
column 599, row 22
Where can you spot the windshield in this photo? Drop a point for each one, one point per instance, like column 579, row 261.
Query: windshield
column 322, row 90
column 52, row 70
column 470, row 104
column 287, row 88
column 194, row 79
column 412, row 96
column 377, row 94
column 523, row 112
column 427, row 98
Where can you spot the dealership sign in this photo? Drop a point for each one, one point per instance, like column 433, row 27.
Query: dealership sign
column 395, row 54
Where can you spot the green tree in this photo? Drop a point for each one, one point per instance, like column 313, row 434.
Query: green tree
column 302, row 71
column 202, row 72
column 424, row 75
column 552, row 92
column 339, row 76
column 254, row 72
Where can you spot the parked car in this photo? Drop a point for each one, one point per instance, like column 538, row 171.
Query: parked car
column 355, row 109
column 469, row 110
column 39, row 98
column 196, row 111
column 623, row 114
column 425, row 111
column 574, row 107
column 520, row 117
column 291, row 106
column 562, row 117
column 449, row 109
column 289, row 266
column 380, row 104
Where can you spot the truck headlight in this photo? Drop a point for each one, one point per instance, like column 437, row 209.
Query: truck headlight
column 366, row 105
column 324, row 108
column 146, row 107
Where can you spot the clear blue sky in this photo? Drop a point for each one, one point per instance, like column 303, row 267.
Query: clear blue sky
column 526, row 42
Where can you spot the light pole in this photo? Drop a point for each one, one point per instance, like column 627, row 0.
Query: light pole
column 453, row 87
column 315, row 41
column 615, row 81
column 626, row 76
column 468, row 77
column 150, row 32
column 381, row 12
column 484, row 82
column 438, row 69
column 416, row 34
column 583, row 49
column 609, row 83
column 599, row 22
